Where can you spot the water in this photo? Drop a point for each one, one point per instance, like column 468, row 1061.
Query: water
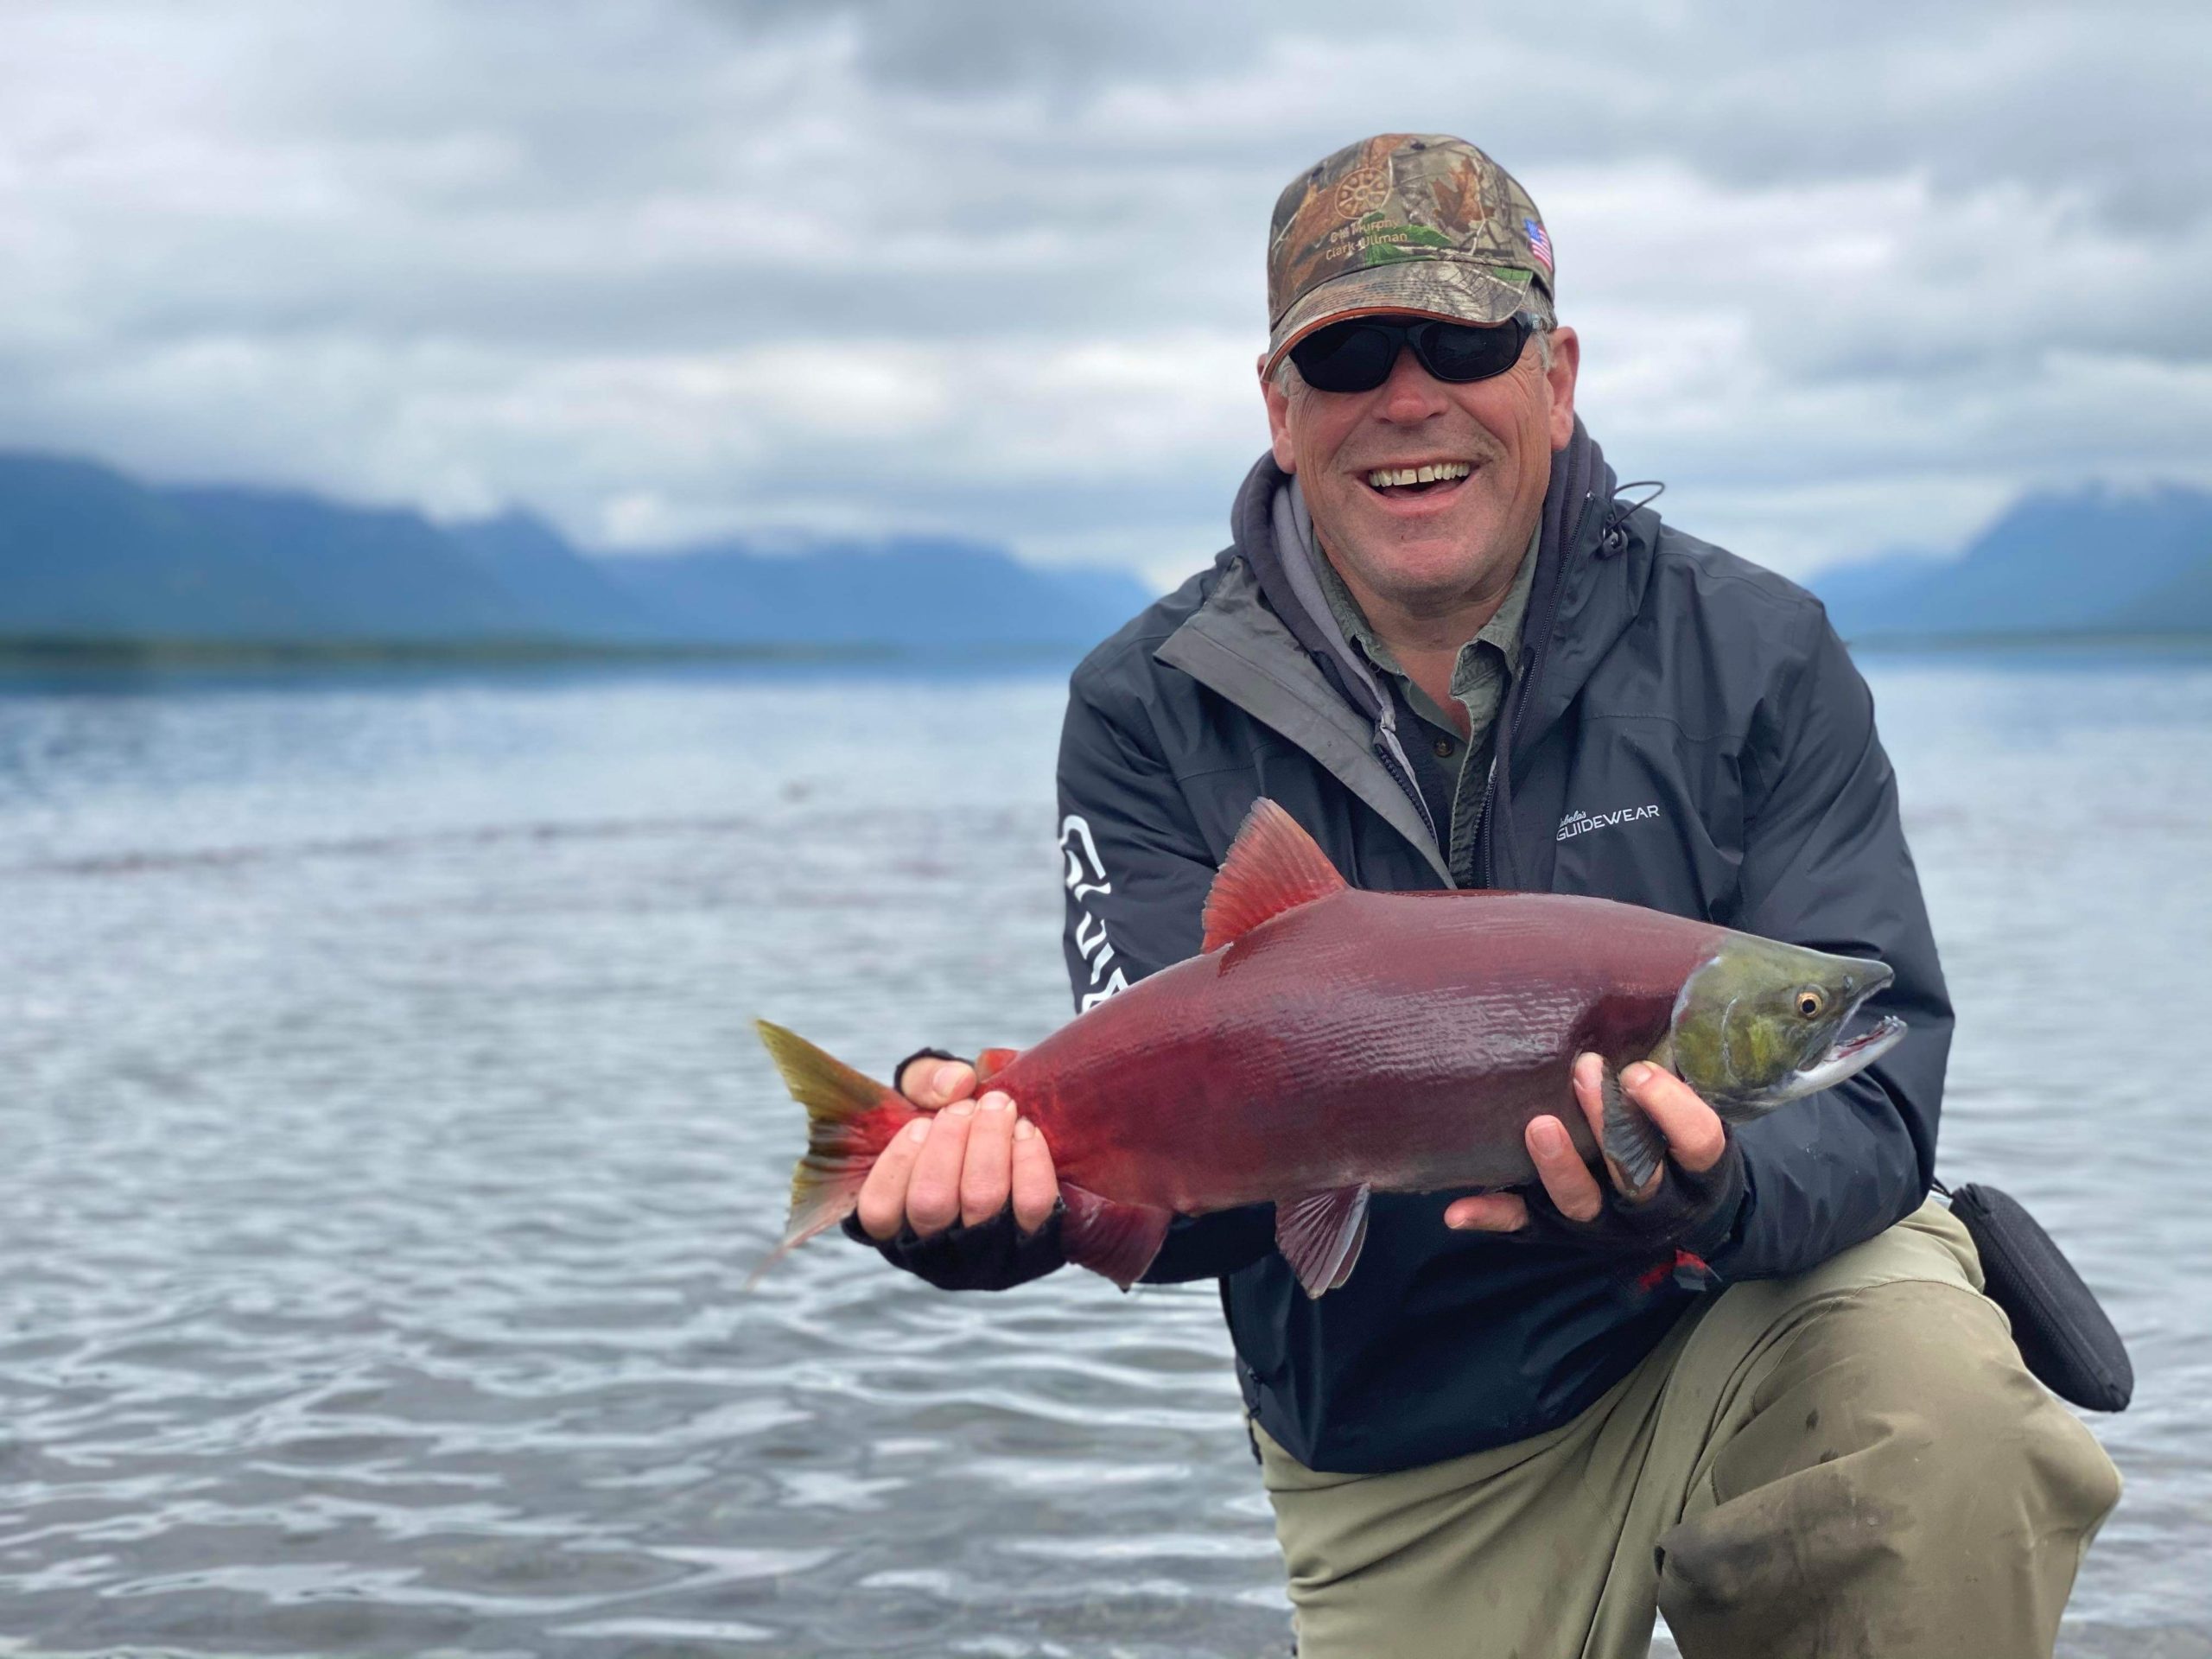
column 383, row 1139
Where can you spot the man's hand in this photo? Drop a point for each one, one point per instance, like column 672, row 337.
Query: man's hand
column 1695, row 1140
column 964, row 1162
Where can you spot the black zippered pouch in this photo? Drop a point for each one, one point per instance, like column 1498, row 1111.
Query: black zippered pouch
column 2062, row 1333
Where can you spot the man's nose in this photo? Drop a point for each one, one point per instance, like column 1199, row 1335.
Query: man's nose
column 1411, row 393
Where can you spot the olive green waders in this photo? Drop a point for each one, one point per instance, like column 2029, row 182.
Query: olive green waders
column 1853, row 1461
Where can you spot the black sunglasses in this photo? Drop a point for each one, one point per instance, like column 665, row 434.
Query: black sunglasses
column 1358, row 354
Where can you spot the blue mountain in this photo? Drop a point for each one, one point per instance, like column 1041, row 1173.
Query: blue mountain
column 2095, row 561
column 918, row 591
column 566, row 594
column 1857, row 589
column 88, row 554
column 2182, row 605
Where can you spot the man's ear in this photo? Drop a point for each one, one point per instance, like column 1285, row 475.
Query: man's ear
column 1278, row 403
column 1566, row 361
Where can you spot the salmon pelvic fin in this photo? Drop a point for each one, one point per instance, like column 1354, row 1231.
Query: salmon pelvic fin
column 1320, row 1235
column 849, row 1120
column 1273, row 865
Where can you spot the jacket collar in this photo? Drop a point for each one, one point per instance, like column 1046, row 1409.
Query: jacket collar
column 1236, row 645
column 1579, row 535
column 1265, row 639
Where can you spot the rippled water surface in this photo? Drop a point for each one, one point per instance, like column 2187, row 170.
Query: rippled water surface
column 383, row 1139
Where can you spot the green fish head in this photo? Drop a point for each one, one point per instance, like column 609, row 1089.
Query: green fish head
column 1760, row 1023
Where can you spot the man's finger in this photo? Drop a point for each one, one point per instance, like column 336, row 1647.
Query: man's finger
column 1590, row 1092
column 1573, row 1188
column 934, row 1196
column 931, row 1083
column 1036, row 1183
column 986, row 1176
column 1487, row 1212
column 1696, row 1135
column 883, row 1195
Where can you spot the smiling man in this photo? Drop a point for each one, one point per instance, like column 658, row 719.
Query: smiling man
column 1764, row 1393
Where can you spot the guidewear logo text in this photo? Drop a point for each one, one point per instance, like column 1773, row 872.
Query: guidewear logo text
column 1581, row 824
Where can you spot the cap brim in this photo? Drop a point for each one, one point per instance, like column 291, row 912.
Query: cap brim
column 1457, row 290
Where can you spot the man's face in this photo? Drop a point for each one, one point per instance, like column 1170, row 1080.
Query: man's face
column 1428, row 549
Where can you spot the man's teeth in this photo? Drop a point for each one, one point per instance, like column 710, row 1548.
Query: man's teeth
column 1442, row 472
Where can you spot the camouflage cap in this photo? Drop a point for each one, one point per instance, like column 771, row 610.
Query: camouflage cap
column 1410, row 222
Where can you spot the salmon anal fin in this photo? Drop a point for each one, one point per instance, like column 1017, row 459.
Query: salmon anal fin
column 1320, row 1235
column 1116, row 1240
column 1632, row 1141
column 991, row 1062
column 1273, row 865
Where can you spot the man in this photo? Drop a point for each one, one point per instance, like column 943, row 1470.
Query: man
column 1446, row 645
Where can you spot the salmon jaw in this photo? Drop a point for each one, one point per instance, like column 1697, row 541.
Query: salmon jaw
column 1848, row 1059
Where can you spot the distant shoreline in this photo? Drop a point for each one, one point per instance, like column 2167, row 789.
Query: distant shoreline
column 91, row 653
column 2189, row 642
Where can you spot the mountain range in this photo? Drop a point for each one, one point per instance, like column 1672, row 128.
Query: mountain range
column 88, row 554
column 2097, row 560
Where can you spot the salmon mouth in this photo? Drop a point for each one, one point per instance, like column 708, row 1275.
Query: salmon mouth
column 1846, row 1058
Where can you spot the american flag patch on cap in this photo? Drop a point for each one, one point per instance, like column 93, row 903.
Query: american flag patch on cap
column 1539, row 244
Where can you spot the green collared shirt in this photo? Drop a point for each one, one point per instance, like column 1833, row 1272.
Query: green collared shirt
column 1480, row 677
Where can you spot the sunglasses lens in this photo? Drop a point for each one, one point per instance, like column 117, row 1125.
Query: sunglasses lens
column 1452, row 351
column 1358, row 355
column 1352, row 356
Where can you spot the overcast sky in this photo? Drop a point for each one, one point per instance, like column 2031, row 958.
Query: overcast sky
column 1847, row 277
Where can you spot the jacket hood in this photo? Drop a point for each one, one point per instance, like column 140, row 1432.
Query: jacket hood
column 1570, row 536
column 1593, row 557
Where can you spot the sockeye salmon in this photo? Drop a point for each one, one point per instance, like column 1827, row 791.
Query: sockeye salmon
column 1328, row 1043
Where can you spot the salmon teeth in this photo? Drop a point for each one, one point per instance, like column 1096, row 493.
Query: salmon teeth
column 1437, row 472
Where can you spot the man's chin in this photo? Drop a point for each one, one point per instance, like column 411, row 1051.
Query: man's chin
column 1420, row 569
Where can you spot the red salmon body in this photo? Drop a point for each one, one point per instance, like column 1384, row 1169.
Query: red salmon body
column 1327, row 1044
column 1402, row 1041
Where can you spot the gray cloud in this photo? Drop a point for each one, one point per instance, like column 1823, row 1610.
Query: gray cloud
column 1847, row 279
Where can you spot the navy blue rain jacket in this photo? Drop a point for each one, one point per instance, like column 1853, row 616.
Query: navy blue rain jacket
column 1686, row 732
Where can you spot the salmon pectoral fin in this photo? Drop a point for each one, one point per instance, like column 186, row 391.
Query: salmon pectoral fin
column 1633, row 1143
column 992, row 1061
column 1273, row 865
column 849, row 1120
column 1320, row 1235
column 1116, row 1240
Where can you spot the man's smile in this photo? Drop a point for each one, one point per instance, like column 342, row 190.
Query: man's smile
column 1427, row 480
column 1421, row 472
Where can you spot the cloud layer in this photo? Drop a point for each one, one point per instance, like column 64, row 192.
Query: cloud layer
column 670, row 269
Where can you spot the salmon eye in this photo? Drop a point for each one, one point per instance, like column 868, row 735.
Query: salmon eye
column 1810, row 1002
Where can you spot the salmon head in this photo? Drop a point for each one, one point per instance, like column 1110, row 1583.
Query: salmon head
column 1760, row 1023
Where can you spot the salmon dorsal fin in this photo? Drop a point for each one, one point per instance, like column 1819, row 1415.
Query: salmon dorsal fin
column 1273, row 865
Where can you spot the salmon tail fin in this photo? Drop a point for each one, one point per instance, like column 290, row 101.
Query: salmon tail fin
column 849, row 1121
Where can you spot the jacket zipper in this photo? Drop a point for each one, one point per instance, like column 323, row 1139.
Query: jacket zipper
column 1518, row 699
column 1401, row 774
column 1482, row 820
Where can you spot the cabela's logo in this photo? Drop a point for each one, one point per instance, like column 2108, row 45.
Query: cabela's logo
column 1581, row 824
